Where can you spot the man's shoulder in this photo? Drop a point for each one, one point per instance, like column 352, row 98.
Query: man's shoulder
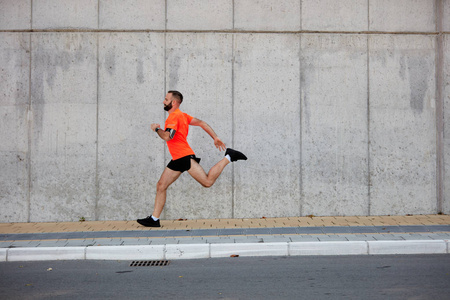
column 178, row 113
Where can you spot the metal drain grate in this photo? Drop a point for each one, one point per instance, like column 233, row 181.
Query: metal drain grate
column 149, row 263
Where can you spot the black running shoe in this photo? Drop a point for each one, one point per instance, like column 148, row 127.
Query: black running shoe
column 235, row 155
column 149, row 222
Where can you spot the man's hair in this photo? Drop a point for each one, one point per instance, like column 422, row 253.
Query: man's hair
column 177, row 95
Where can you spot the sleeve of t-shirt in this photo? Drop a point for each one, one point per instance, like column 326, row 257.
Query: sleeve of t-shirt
column 172, row 122
column 189, row 118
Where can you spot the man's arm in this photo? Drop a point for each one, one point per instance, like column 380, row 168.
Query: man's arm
column 217, row 141
column 165, row 135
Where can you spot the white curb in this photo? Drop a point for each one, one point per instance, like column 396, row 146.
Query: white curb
column 328, row 248
column 407, row 247
column 46, row 253
column 3, row 254
column 187, row 251
column 195, row 251
column 249, row 249
column 148, row 252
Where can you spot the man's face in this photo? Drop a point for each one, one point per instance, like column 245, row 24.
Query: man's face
column 168, row 102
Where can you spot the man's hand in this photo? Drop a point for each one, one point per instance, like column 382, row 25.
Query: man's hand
column 219, row 144
column 154, row 126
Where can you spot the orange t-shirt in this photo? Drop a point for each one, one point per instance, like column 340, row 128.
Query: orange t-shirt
column 178, row 145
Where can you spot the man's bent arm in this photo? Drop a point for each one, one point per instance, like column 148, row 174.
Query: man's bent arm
column 165, row 135
column 204, row 126
column 217, row 142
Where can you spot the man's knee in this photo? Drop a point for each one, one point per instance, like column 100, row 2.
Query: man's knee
column 207, row 184
column 161, row 186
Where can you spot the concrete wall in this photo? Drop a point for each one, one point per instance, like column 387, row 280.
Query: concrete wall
column 341, row 106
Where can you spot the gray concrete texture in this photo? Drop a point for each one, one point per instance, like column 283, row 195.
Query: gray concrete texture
column 336, row 104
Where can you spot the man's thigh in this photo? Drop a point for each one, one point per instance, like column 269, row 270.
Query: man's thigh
column 197, row 172
column 168, row 177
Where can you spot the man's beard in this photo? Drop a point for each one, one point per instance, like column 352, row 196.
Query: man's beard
column 168, row 106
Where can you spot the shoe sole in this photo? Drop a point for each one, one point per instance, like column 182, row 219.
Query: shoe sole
column 147, row 225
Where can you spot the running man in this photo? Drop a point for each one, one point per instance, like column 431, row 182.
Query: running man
column 183, row 157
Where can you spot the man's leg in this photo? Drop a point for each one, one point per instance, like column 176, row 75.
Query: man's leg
column 207, row 180
column 167, row 178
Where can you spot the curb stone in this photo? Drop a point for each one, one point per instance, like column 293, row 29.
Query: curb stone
column 408, row 247
column 195, row 251
column 46, row 253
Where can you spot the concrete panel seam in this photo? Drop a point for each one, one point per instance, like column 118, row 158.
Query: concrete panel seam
column 438, row 9
column 300, row 123
column 165, row 88
column 368, row 126
column 31, row 15
column 439, row 62
column 300, row 11
column 232, row 4
column 30, row 123
column 98, row 15
column 97, row 184
column 233, row 58
column 165, row 17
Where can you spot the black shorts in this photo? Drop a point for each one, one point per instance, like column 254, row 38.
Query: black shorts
column 182, row 164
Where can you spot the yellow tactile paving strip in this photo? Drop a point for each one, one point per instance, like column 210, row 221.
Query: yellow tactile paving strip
column 14, row 228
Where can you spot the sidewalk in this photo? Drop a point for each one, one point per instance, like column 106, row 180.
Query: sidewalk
column 190, row 239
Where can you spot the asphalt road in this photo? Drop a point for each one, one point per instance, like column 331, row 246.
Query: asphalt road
column 326, row 277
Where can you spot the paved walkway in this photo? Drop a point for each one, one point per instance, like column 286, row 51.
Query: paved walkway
column 187, row 239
